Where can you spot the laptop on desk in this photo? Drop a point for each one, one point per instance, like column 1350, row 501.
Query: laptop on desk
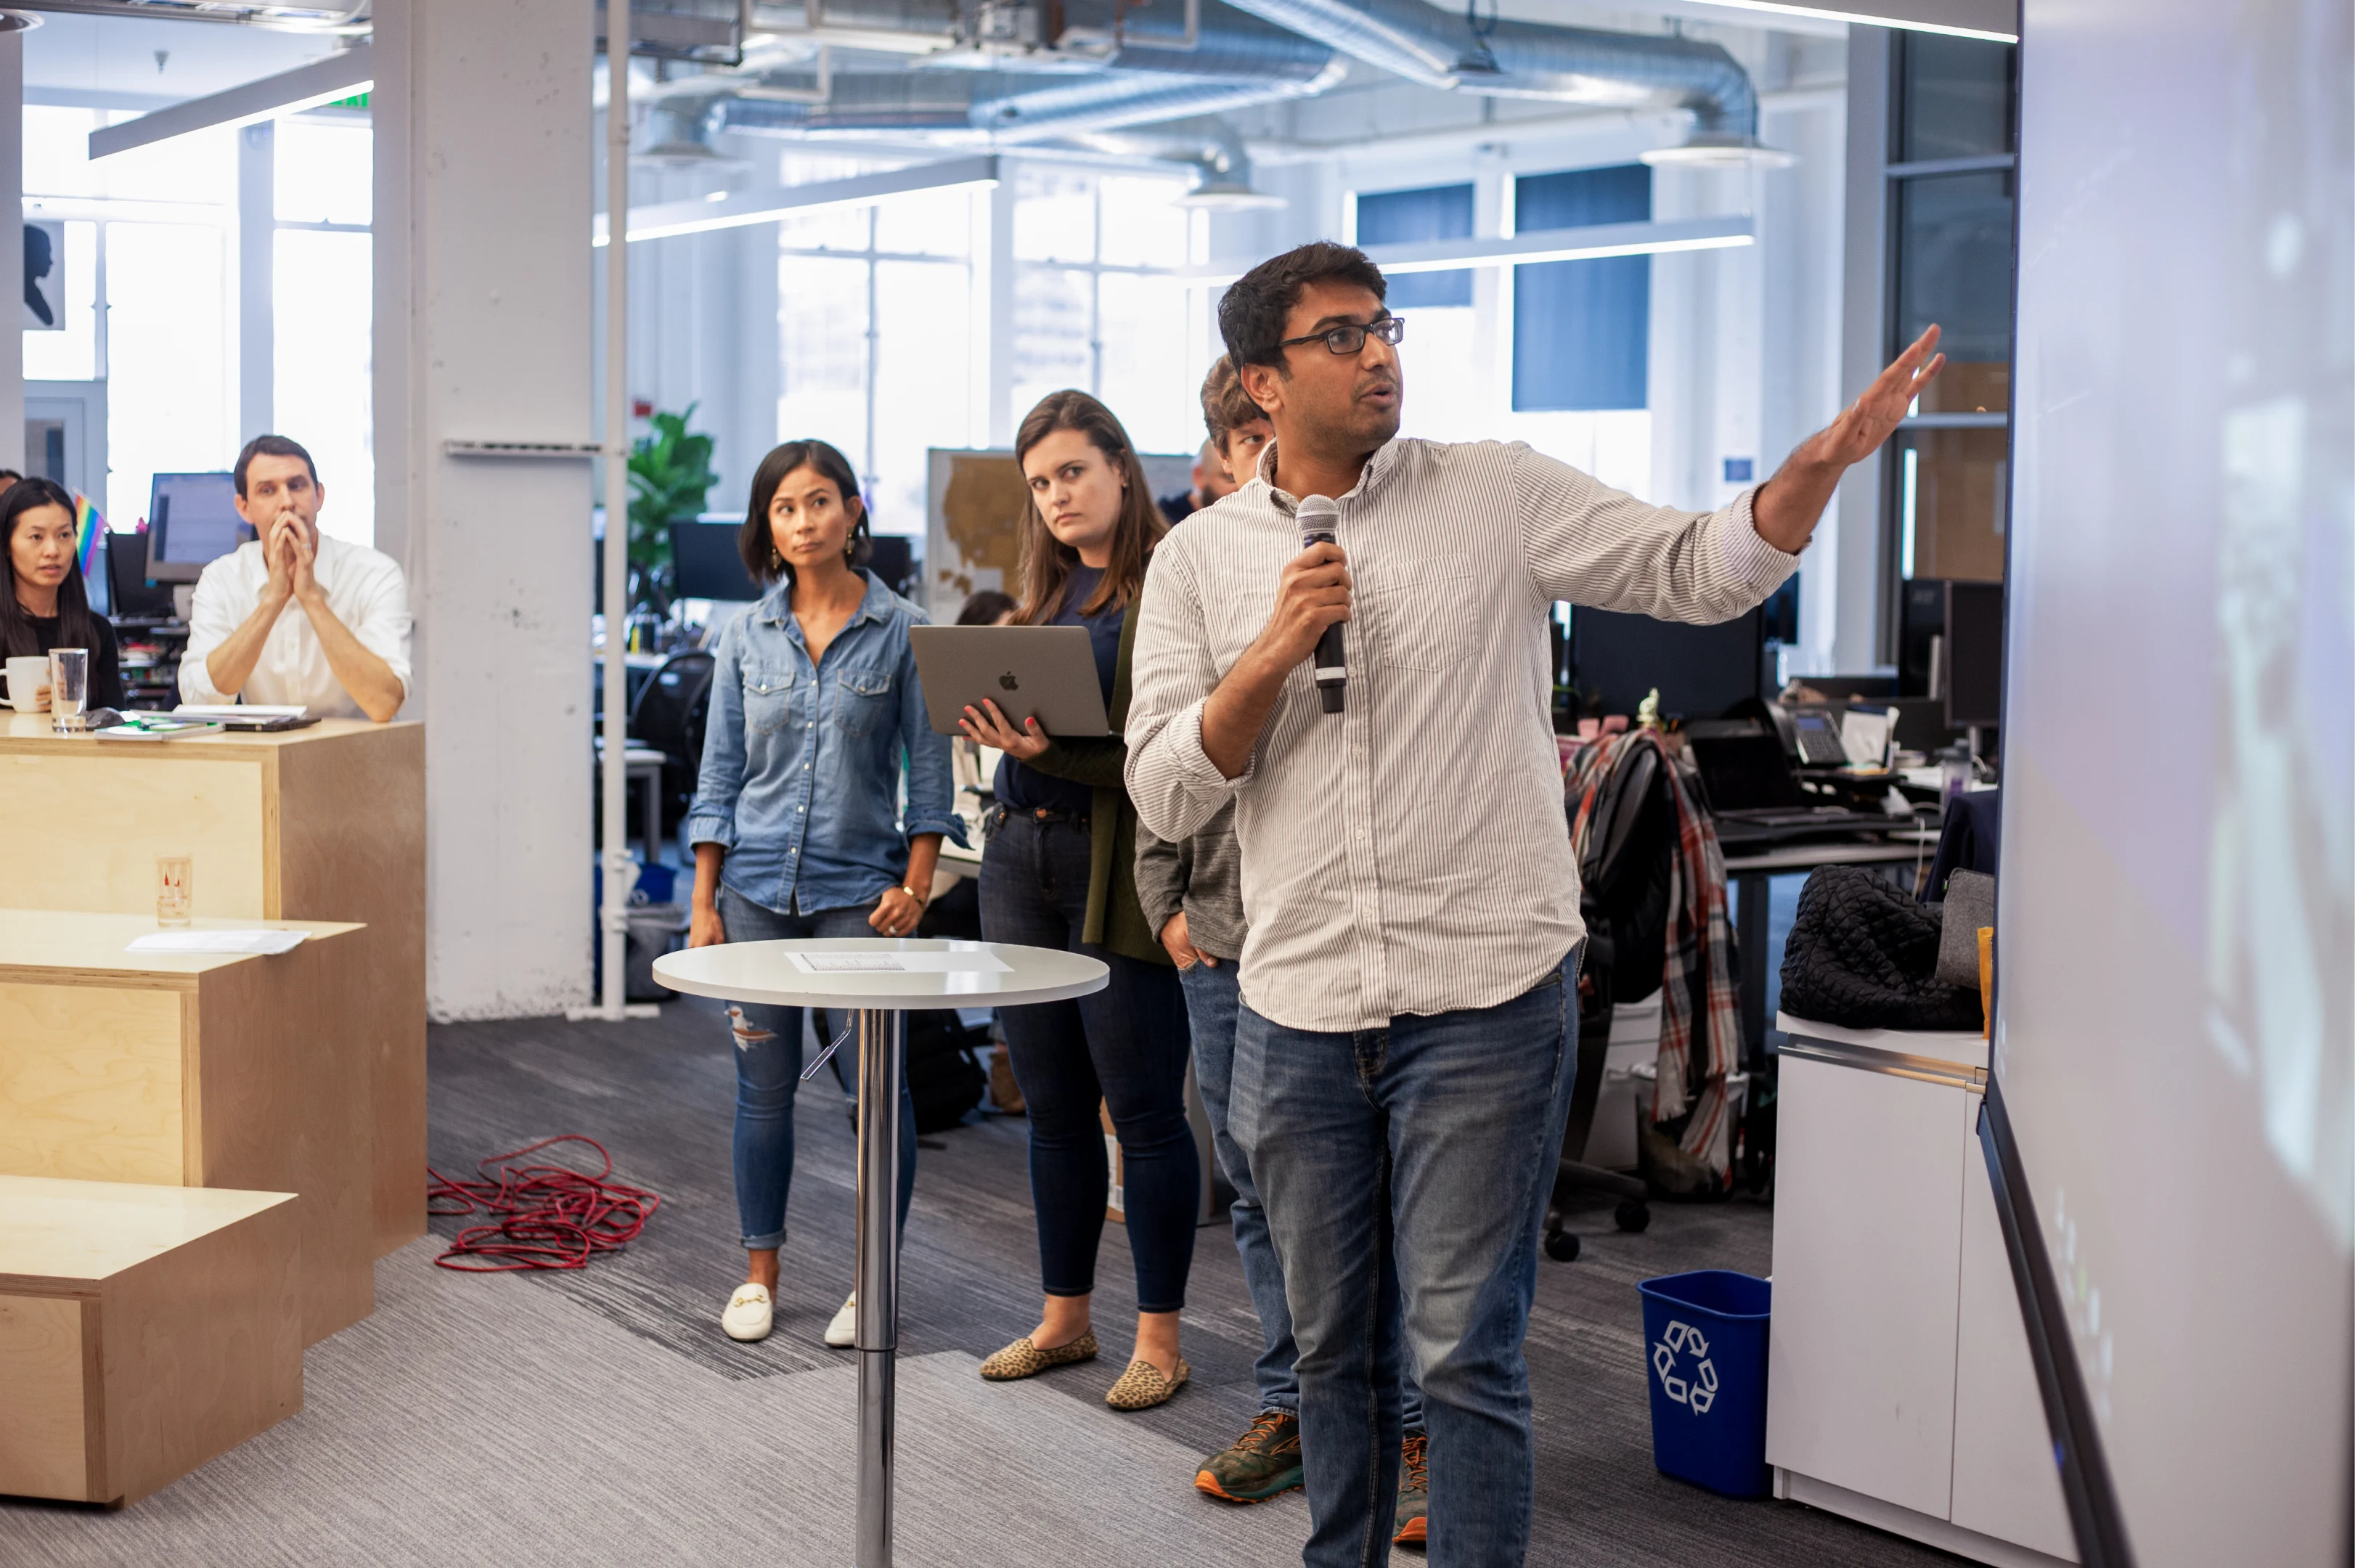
column 1754, row 792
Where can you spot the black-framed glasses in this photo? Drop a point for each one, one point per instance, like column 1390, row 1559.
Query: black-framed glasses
column 1352, row 338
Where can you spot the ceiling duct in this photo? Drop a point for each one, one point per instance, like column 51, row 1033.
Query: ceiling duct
column 328, row 16
column 1531, row 59
column 1212, row 147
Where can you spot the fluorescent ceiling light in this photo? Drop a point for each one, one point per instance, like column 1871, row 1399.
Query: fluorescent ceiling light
column 1566, row 245
column 742, row 208
column 346, row 74
column 1952, row 18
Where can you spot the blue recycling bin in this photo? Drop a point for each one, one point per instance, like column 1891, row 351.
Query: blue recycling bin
column 1705, row 1343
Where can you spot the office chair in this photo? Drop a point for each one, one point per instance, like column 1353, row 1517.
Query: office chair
column 1624, row 899
column 668, row 716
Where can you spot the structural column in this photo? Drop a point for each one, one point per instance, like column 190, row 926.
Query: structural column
column 483, row 334
column 12, row 254
column 257, row 273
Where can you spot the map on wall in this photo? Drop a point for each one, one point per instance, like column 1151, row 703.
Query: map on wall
column 973, row 504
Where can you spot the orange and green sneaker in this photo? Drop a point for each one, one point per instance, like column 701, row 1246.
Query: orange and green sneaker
column 1415, row 1490
column 1257, row 1465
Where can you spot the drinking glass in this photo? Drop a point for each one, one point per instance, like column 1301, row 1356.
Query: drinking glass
column 68, row 689
column 175, row 893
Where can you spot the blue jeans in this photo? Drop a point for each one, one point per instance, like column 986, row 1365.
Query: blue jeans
column 1424, row 1153
column 1123, row 1048
column 1213, row 999
column 769, row 1070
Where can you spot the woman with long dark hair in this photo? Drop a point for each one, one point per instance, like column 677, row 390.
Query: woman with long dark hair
column 43, row 605
column 817, row 718
column 1061, row 872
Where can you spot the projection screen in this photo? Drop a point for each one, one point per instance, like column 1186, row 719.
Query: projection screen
column 2173, row 1053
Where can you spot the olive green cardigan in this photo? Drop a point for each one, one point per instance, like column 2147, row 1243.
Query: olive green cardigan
column 1115, row 918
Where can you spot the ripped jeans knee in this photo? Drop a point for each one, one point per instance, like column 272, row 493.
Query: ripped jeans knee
column 748, row 1034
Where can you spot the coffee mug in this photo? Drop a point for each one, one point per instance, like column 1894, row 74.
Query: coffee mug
column 27, row 676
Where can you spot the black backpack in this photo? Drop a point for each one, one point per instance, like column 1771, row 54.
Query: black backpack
column 944, row 1081
column 1864, row 955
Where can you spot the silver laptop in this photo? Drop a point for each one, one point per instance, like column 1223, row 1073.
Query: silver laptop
column 1049, row 672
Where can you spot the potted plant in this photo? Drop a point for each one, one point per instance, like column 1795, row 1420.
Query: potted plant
column 670, row 473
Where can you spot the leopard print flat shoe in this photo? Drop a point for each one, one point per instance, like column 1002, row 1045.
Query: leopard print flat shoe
column 1141, row 1386
column 1024, row 1359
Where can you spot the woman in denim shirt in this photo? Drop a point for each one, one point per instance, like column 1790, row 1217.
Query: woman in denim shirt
column 797, row 825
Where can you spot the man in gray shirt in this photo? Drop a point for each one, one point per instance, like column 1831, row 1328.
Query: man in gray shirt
column 1405, row 1054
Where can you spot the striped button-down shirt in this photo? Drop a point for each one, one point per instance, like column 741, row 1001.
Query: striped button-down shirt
column 1409, row 854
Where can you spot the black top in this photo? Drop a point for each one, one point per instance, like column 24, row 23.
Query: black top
column 1028, row 789
column 1178, row 507
column 105, row 659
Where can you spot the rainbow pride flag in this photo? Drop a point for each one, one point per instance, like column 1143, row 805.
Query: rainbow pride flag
column 90, row 532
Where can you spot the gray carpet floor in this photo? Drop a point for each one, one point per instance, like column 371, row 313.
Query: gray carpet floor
column 599, row 1416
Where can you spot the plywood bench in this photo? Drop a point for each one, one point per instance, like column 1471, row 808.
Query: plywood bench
column 208, row 1069
column 326, row 823
column 143, row 1330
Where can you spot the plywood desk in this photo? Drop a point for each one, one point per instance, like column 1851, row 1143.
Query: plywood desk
column 143, row 1331
column 326, row 823
column 199, row 1070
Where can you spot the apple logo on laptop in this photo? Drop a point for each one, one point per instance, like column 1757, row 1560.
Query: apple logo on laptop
column 1008, row 682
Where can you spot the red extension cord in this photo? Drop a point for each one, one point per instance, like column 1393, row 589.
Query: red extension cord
column 544, row 1216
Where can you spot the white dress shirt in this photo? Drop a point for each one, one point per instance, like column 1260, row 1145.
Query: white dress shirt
column 1409, row 855
column 366, row 591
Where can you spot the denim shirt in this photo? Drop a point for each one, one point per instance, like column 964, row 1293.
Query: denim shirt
column 801, row 759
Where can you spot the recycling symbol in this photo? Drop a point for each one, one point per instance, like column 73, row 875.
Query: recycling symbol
column 1699, row 1390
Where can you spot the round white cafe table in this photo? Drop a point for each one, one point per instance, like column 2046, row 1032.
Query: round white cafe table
column 879, row 979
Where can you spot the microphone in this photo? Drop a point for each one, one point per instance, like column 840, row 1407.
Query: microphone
column 1318, row 517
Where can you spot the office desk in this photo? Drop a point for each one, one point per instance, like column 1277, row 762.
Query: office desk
column 1899, row 1390
column 326, row 823
column 197, row 1070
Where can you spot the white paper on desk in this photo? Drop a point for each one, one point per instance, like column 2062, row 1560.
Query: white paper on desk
column 1865, row 735
column 265, row 942
column 951, row 962
column 241, row 710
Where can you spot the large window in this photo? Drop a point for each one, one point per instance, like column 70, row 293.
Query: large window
column 881, row 397
column 1581, row 330
column 149, row 291
column 885, row 323
column 323, row 355
column 1097, row 301
column 1951, row 191
column 1401, row 217
column 151, row 299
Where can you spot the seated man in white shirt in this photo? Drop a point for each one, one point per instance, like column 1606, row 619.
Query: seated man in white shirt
column 344, row 651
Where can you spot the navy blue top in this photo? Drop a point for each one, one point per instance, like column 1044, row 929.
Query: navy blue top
column 1028, row 789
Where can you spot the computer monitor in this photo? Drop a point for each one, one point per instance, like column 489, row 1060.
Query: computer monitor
column 704, row 563
column 1701, row 671
column 191, row 521
column 1974, row 655
column 129, row 591
column 892, row 558
column 1920, row 622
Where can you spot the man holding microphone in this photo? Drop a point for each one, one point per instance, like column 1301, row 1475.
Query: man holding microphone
column 345, row 651
column 1406, row 1048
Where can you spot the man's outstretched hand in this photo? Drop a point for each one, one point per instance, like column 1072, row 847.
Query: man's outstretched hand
column 1787, row 507
column 1857, row 433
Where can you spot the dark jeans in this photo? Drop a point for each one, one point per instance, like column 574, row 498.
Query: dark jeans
column 1413, row 1163
column 768, row 1071
column 1213, row 998
column 1124, row 1047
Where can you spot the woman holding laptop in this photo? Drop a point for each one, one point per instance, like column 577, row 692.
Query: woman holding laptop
column 43, row 605
column 1060, row 871
column 796, row 823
